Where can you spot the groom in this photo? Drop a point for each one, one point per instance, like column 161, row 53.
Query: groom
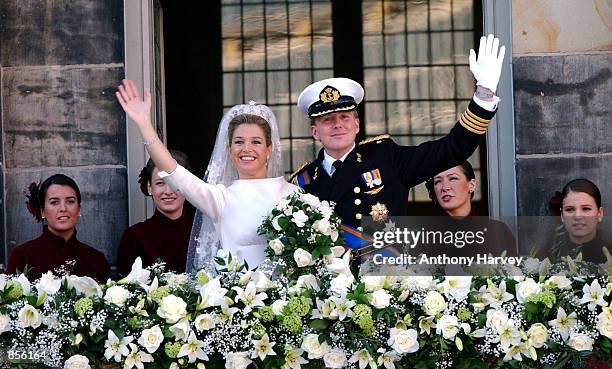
column 373, row 177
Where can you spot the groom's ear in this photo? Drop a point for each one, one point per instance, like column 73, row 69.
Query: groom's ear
column 314, row 131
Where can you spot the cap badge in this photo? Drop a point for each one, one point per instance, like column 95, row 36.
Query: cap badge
column 329, row 94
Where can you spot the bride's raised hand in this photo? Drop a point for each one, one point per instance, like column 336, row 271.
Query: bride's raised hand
column 137, row 108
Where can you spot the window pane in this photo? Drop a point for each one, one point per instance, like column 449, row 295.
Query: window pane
column 374, row 84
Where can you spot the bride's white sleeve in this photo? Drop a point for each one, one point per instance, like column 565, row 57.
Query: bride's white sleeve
column 206, row 197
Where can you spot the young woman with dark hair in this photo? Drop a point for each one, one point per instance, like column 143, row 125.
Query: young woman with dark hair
column 57, row 202
column 165, row 235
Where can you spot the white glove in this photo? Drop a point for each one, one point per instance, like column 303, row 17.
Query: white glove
column 487, row 68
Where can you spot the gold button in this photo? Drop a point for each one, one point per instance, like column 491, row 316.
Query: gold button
column 357, row 189
column 360, row 229
column 358, row 216
column 357, row 202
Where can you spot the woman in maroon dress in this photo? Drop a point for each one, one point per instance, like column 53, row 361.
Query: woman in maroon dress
column 58, row 202
column 164, row 236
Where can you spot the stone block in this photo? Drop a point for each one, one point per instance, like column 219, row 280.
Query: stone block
column 562, row 103
column 104, row 206
column 550, row 26
column 539, row 178
column 62, row 116
column 61, row 32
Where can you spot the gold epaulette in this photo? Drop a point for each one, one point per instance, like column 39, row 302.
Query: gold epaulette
column 293, row 175
column 372, row 139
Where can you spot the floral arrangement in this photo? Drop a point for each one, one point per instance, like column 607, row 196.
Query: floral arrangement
column 305, row 308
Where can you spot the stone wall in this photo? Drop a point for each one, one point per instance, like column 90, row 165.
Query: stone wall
column 562, row 71
column 60, row 62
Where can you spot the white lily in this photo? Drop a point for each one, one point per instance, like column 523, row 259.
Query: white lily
column 593, row 295
column 564, row 323
column 136, row 358
column 294, row 359
column 137, row 275
column 116, row 348
column 249, row 297
column 193, row 349
column 363, row 357
column 263, row 347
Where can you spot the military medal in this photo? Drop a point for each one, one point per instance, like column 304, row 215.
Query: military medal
column 372, row 178
column 379, row 212
column 367, row 177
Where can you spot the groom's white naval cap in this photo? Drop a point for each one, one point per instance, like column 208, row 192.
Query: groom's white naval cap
column 330, row 95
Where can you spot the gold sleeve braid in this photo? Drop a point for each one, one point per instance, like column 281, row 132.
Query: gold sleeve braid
column 474, row 123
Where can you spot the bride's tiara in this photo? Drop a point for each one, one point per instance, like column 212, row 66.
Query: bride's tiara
column 252, row 108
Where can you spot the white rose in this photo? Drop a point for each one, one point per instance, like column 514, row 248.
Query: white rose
column 117, row 295
column 85, row 286
column 299, row 218
column 237, row 360
column 323, row 226
column 277, row 307
column 277, row 246
column 448, row 325
column 311, row 200
column 526, row 289
column 49, row 284
column 373, row 283
column 174, row 365
column 308, row 281
column 261, row 280
column 496, row 319
column 78, row 339
column 380, row 299
column 26, row 286
column 302, row 258
column 313, row 347
column 341, row 283
column 580, row 342
column 282, row 204
column 29, row 317
column 338, row 265
column 77, row 362
column 172, row 309
column 204, row 322
column 334, row 235
column 403, row 341
column 335, row 358
column 434, row 303
column 538, row 334
column 604, row 325
column 456, row 286
column 151, row 338
column 5, row 323
column 275, row 223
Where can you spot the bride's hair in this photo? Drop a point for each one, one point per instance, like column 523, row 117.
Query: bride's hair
column 250, row 119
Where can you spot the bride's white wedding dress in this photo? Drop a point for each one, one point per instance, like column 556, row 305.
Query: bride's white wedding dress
column 236, row 210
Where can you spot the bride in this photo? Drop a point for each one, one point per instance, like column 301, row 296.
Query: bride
column 242, row 183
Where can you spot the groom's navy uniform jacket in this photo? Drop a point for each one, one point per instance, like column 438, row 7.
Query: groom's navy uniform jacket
column 378, row 174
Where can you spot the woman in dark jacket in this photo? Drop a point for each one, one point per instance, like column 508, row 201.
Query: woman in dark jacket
column 57, row 202
column 164, row 236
